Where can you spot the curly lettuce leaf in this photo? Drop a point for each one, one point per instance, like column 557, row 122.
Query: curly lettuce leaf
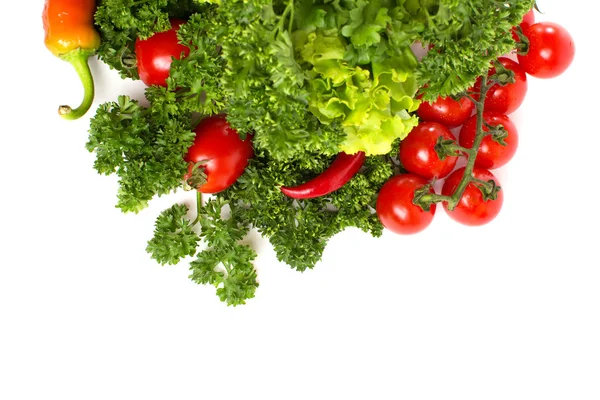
column 372, row 103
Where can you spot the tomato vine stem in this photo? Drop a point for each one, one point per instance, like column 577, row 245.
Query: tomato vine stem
column 424, row 198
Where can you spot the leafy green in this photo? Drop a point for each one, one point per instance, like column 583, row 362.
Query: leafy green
column 174, row 236
column 466, row 36
column 196, row 79
column 263, row 85
column 226, row 263
column 368, row 21
column 364, row 85
column 236, row 282
column 299, row 230
column 142, row 146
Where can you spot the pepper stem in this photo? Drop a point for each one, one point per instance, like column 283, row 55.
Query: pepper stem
column 79, row 60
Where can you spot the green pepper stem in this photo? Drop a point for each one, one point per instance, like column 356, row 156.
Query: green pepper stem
column 79, row 60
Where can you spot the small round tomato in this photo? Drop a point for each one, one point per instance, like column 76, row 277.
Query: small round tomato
column 395, row 207
column 447, row 111
column 417, row 151
column 155, row 55
column 508, row 98
column 472, row 209
column 222, row 154
column 528, row 20
column 491, row 154
column 551, row 50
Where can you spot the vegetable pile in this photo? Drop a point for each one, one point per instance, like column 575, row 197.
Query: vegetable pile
column 301, row 118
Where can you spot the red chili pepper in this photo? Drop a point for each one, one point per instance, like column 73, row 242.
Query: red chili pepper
column 341, row 170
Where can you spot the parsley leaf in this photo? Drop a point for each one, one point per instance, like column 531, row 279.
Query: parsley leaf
column 236, row 282
column 142, row 146
column 299, row 230
column 466, row 36
column 174, row 237
column 226, row 263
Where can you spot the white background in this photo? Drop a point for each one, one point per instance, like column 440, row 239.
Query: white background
column 510, row 310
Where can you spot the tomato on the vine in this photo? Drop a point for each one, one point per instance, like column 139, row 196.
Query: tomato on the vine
column 551, row 50
column 155, row 54
column 490, row 154
column 508, row 98
column 447, row 111
column 528, row 20
column 417, row 151
column 219, row 152
column 472, row 209
column 395, row 207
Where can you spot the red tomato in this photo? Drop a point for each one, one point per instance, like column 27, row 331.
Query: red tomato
column 491, row 154
column 447, row 111
column 471, row 209
column 155, row 55
column 551, row 50
column 417, row 151
column 395, row 207
column 508, row 98
column 528, row 20
column 225, row 154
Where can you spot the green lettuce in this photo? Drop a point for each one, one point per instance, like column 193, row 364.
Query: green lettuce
column 372, row 102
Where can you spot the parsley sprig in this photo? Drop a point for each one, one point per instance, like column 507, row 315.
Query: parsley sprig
column 143, row 146
column 225, row 261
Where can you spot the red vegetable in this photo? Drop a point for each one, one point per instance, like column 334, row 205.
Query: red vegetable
column 219, row 152
column 447, row 111
column 341, row 170
column 551, row 50
column 491, row 154
column 508, row 98
column 417, row 151
column 472, row 209
column 528, row 20
column 155, row 55
column 395, row 207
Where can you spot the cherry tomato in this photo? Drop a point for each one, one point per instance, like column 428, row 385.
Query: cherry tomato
column 224, row 154
column 551, row 50
column 417, row 151
column 508, row 98
column 155, row 55
column 528, row 20
column 445, row 110
column 491, row 154
column 471, row 209
column 395, row 207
